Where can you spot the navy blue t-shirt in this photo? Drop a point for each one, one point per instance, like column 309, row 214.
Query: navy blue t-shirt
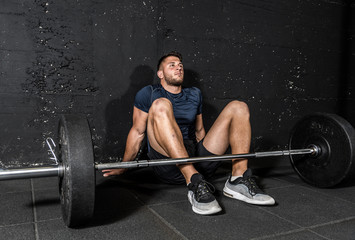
column 186, row 105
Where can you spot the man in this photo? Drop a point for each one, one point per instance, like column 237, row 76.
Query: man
column 172, row 118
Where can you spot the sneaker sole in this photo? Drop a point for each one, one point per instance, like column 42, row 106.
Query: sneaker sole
column 229, row 193
column 204, row 212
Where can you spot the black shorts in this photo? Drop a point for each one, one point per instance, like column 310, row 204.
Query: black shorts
column 172, row 174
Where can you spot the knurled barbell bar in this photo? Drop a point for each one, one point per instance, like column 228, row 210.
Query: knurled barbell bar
column 321, row 149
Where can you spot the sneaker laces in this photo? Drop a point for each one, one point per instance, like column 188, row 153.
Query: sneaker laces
column 204, row 191
column 250, row 182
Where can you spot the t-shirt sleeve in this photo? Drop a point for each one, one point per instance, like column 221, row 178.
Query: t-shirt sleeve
column 142, row 100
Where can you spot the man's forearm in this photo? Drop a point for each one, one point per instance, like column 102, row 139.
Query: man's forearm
column 133, row 144
column 200, row 135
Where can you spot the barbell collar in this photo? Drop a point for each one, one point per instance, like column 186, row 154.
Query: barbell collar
column 171, row 161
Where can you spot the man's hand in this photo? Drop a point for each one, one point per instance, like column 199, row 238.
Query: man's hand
column 112, row 172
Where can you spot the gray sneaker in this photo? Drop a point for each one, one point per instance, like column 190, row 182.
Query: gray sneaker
column 201, row 197
column 245, row 189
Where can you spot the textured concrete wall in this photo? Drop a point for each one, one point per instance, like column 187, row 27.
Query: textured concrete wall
column 347, row 70
column 282, row 58
column 285, row 59
column 46, row 69
column 124, row 51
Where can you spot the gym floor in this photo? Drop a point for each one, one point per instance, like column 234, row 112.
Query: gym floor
column 137, row 206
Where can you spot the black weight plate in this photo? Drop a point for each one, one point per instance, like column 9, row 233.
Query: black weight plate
column 336, row 139
column 77, row 184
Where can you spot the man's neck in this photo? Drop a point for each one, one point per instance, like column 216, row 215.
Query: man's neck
column 170, row 88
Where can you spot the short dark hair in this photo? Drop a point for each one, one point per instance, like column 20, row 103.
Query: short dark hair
column 172, row 53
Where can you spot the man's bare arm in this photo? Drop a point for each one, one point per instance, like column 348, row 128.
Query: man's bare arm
column 200, row 130
column 134, row 140
column 136, row 134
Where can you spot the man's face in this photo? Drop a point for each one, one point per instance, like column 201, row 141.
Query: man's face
column 172, row 71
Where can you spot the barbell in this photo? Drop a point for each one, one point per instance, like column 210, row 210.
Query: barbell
column 321, row 150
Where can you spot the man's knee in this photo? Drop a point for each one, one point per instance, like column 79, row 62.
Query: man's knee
column 238, row 108
column 161, row 107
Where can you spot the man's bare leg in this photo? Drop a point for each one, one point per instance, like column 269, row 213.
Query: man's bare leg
column 165, row 136
column 232, row 127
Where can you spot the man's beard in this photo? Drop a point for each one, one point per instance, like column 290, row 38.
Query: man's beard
column 174, row 82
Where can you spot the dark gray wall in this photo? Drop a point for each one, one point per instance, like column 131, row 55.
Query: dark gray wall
column 47, row 68
column 347, row 70
column 284, row 58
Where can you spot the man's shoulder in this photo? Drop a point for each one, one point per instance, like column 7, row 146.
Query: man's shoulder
column 149, row 92
column 144, row 93
column 192, row 90
column 148, row 89
column 144, row 97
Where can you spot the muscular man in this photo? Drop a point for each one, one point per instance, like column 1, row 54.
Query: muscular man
column 172, row 118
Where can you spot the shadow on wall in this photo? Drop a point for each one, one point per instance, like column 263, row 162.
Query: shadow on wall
column 118, row 113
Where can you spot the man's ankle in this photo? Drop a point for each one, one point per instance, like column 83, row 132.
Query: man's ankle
column 196, row 178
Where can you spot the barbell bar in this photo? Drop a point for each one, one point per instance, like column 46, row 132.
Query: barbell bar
column 314, row 150
column 57, row 170
column 321, row 150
